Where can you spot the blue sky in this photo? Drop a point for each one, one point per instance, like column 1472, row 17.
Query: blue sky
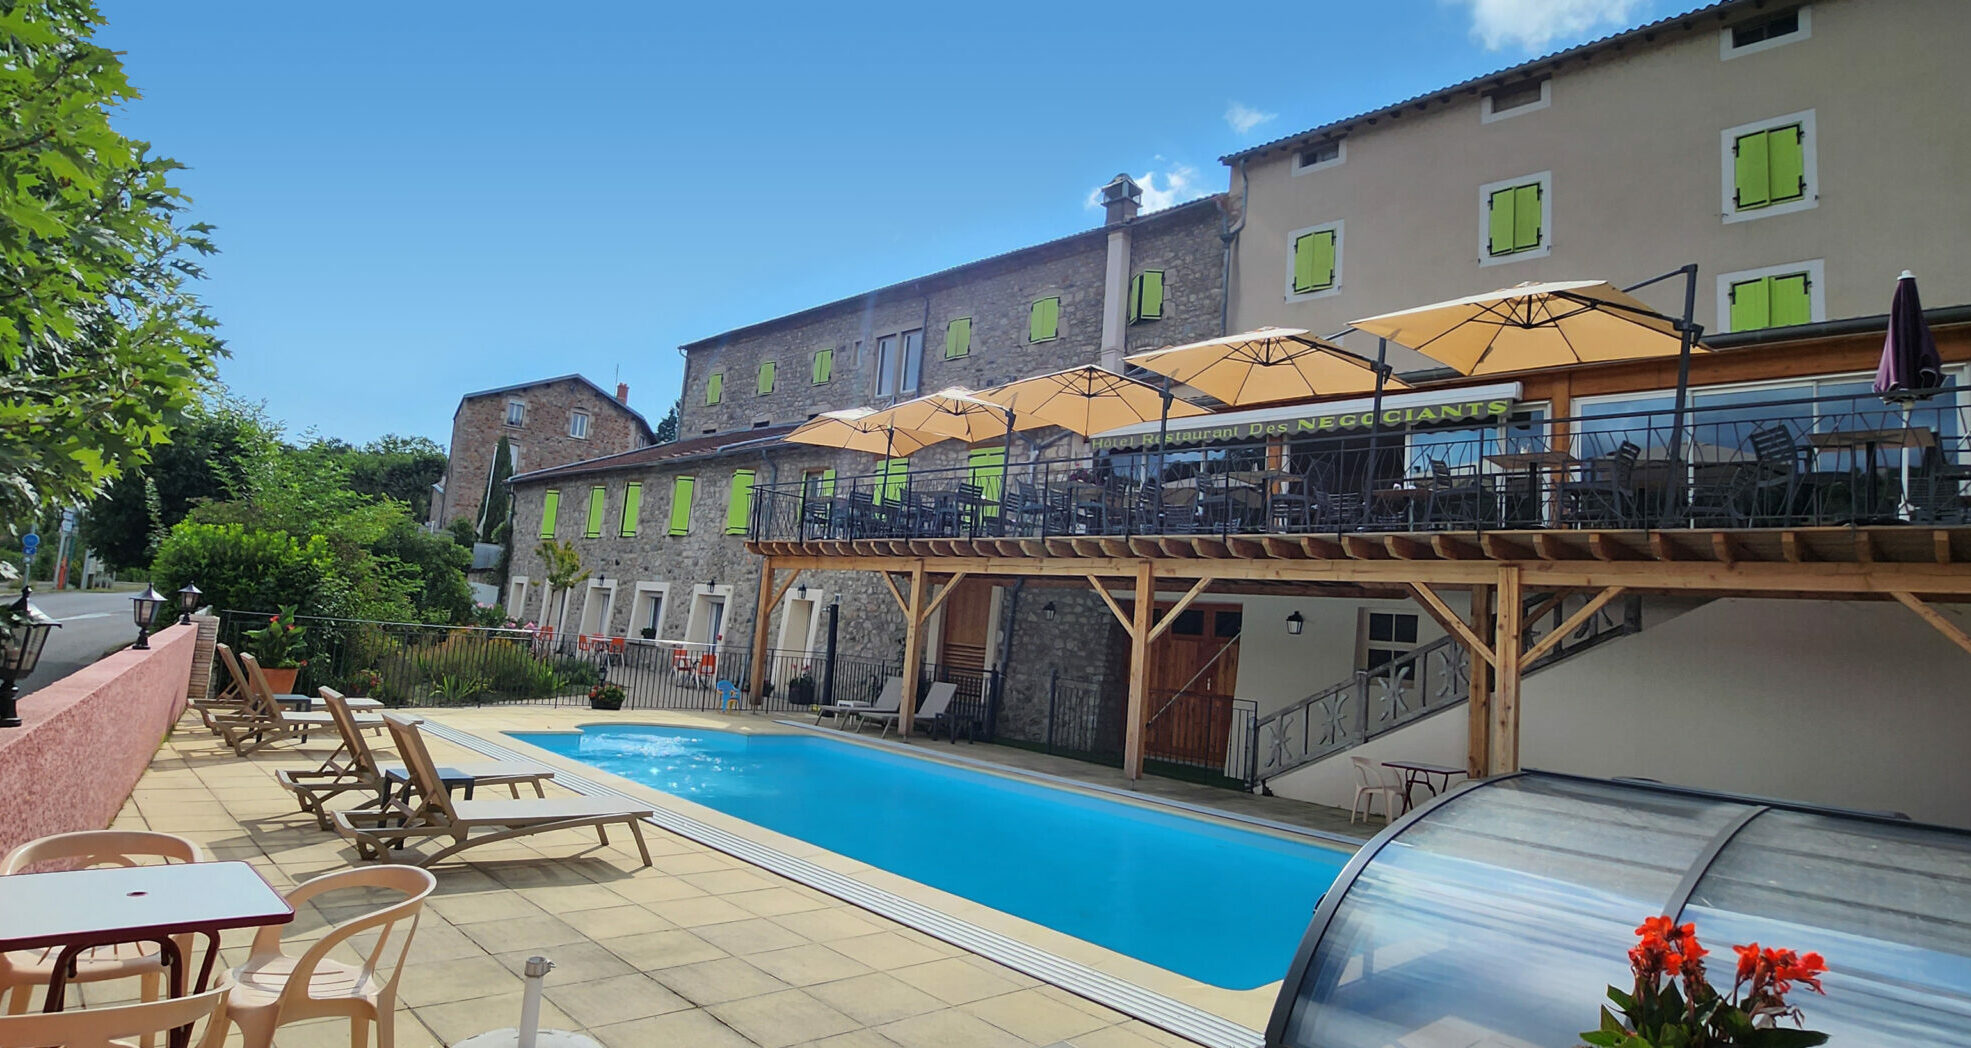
column 416, row 200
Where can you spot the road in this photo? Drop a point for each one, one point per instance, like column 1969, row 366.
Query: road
column 93, row 623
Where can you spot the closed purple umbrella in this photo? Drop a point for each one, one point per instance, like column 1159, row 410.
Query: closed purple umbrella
column 1910, row 370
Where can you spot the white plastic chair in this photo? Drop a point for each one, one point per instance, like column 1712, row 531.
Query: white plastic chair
column 273, row 988
column 1372, row 780
column 111, row 1027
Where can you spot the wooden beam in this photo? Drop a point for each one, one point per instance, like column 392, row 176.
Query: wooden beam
column 1453, row 548
column 1607, row 547
column 1450, row 620
column 1665, row 550
column 1864, row 548
column 1182, row 603
column 950, row 587
column 1529, row 618
column 1722, row 548
column 1362, row 547
column 913, row 648
column 1792, row 549
column 890, row 584
column 1499, row 548
column 1571, row 623
column 1548, row 547
column 1275, row 546
column 1103, row 592
column 1504, row 744
column 1139, row 672
column 1478, row 712
column 1940, row 542
column 756, row 680
column 1403, row 547
column 780, row 591
column 1318, row 548
column 1936, row 619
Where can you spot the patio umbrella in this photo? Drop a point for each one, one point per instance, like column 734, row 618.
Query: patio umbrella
column 857, row 429
column 1088, row 400
column 1910, row 370
column 956, row 413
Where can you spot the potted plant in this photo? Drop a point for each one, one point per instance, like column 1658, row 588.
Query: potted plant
column 800, row 690
column 606, row 696
column 280, row 646
column 1672, row 1005
column 648, row 632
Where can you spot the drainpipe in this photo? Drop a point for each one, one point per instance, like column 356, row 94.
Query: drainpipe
column 1230, row 237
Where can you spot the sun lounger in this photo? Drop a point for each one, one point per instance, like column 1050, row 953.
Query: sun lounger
column 363, row 774
column 263, row 720
column 232, row 699
column 936, row 702
column 438, row 817
column 889, row 700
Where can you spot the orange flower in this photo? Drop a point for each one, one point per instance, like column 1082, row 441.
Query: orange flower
column 1748, row 960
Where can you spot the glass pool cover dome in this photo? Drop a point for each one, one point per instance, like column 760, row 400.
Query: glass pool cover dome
column 1498, row 915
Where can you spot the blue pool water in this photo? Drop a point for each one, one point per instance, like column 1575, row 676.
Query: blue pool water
column 1221, row 905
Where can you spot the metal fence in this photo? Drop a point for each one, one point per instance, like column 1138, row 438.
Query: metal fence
column 1198, row 733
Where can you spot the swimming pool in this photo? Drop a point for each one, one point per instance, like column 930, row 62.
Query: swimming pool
column 1219, row 904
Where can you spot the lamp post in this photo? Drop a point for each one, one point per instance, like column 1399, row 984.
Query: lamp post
column 187, row 603
column 27, row 631
column 143, row 611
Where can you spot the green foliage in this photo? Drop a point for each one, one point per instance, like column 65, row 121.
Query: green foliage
column 435, row 567
column 455, row 690
column 667, row 427
column 246, row 569
column 102, row 343
column 389, row 467
column 201, row 464
column 562, row 569
column 498, row 502
column 281, row 644
column 606, row 697
column 462, row 532
column 576, row 673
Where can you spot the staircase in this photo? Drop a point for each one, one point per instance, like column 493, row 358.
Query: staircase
column 1425, row 681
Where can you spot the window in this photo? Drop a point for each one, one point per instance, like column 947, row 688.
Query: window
column 1516, row 99
column 767, row 369
column 550, row 506
column 886, row 366
column 516, row 412
column 1769, row 168
column 824, row 367
column 739, row 503
column 598, row 499
column 1386, row 637
column 1513, row 219
column 958, row 338
column 891, row 476
column 1764, row 32
column 647, row 618
column 632, row 508
column 1314, row 261
column 1044, row 320
column 1776, row 296
column 913, row 360
column 516, row 596
column 681, row 505
column 1146, row 296
column 578, row 425
column 715, row 388
column 1319, row 155
column 818, row 483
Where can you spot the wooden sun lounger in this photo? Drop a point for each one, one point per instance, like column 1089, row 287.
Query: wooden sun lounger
column 363, row 774
column 263, row 720
column 439, row 817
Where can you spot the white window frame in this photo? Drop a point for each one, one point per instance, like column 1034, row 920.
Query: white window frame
column 584, row 416
column 1485, row 255
column 662, row 591
column 1341, row 157
column 1727, row 52
column 1816, row 289
column 818, row 603
column 608, row 605
column 702, row 597
column 516, row 597
column 516, row 402
column 1293, row 237
column 1487, row 115
column 1809, row 165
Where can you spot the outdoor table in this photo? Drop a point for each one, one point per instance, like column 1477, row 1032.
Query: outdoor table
column 1417, row 773
column 1867, row 441
column 1387, row 500
column 78, row 910
column 304, row 703
column 1532, row 463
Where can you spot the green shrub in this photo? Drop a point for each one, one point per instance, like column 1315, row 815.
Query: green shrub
column 576, row 673
column 241, row 569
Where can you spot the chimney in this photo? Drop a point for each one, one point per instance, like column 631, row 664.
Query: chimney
column 622, row 392
column 1122, row 198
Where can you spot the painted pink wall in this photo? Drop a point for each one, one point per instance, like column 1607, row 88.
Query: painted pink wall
column 87, row 738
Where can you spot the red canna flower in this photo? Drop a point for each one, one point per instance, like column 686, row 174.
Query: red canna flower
column 1748, row 960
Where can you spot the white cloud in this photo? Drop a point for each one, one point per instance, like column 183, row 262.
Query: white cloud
column 1244, row 118
column 1161, row 189
column 1532, row 25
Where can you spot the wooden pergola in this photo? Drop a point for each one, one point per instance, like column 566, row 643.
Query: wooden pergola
column 1911, row 565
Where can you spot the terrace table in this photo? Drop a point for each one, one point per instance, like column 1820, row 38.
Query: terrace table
column 1532, row 463
column 1418, row 773
column 77, row 910
column 305, row 703
column 1867, row 441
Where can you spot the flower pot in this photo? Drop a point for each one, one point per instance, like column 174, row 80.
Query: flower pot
column 281, row 680
column 601, row 703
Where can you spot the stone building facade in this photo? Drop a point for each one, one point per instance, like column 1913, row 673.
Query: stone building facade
column 548, row 422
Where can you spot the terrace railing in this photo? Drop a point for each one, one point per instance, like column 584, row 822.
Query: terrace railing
column 1774, row 463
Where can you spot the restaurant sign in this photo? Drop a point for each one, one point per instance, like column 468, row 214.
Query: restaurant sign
column 1311, row 425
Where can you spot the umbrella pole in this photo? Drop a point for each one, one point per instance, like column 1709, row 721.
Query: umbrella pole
column 1687, row 334
column 1903, row 509
column 1375, row 425
column 1005, row 461
column 1163, row 440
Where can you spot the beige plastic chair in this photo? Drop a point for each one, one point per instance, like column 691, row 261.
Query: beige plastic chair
column 1372, row 780
column 23, row 970
column 266, row 721
column 274, row 988
column 362, row 773
column 113, row 1027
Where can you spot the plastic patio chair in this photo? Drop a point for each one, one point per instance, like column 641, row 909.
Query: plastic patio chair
column 23, row 970
column 1372, row 781
column 112, row 1027
column 274, row 988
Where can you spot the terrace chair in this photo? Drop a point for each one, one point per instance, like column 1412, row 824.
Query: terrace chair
column 364, row 775
column 23, row 970
column 1608, row 495
column 437, row 817
column 1729, row 502
column 113, row 1026
column 275, row 988
column 1455, row 498
column 1291, row 506
column 889, row 700
column 936, row 702
column 265, row 721
column 1782, row 463
column 1372, row 780
column 1027, row 506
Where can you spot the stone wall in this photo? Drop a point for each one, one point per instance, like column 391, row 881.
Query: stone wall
column 1082, row 642
column 542, row 438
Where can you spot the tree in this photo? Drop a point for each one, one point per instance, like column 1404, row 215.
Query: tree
column 667, row 427
column 564, row 572
column 201, row 464
column 102, row 343
column 245, row 569
column 493, row 508
column 395, row 467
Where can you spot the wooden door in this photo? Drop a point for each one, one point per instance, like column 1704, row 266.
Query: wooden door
column 967, row 627
column 1194, row 671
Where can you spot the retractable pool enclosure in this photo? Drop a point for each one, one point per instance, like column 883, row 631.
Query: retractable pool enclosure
column 1499, row 914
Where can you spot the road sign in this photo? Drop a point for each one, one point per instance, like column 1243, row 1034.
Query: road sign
column 68, row 520
column 29, row 543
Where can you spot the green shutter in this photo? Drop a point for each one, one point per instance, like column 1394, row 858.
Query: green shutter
column 958, row 338
column 681, row 505
column 715, row 387
column 598, row 497
column 632, row 509
column 1751, row 304
column 988, row 466
column 827, row 483
column 550, row 506
column 891, row 476
column 1752, row 170
column 1786, row 159
column 739, row 503
column 1044, row 320
column 767, row 368
column 1526, row 217
column 1314, row 262
column 824, row 366
column 1790, row 304
column 1500, row 227
column 1146, row 296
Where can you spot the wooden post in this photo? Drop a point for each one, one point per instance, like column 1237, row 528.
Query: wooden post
column 1506, row 650
column 1478, row 746
column 756, row 680
column 1139, row 671
column 913, row 647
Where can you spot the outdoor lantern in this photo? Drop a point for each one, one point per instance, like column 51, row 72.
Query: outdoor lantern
column 801, row 591
column 187, row 603
column 143, row 611
column 27, row 631
column 1048, row 611
column 1295, row 624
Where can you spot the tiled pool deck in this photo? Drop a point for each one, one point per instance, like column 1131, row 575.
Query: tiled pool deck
column 703, row 949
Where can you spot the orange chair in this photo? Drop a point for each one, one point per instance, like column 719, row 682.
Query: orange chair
column 617, row 645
